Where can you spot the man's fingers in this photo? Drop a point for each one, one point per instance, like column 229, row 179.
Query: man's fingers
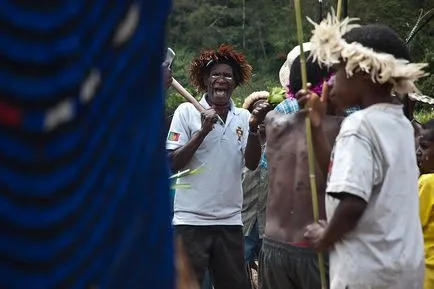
column 303, row 100
column 208, row 117
column 304, row 111
column 301, row 93
column 323, row 223
column 325, row 91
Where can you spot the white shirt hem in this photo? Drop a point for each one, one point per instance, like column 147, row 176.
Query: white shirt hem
column 232, row 221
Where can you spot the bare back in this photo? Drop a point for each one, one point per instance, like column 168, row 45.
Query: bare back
column 289, row 205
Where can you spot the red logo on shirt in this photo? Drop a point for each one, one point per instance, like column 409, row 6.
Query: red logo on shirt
column 173, row 136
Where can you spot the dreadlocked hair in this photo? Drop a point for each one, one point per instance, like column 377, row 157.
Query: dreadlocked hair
column 202, row 64
column 254, row 97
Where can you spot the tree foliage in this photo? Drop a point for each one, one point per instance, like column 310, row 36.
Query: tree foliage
column 265, row 31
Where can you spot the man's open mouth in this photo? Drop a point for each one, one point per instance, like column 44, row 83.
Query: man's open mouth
column 219, row 92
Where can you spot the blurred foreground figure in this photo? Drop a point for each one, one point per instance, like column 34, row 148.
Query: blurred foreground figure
column 84, row 200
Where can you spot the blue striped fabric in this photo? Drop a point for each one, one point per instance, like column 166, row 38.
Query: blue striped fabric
column 84, row 198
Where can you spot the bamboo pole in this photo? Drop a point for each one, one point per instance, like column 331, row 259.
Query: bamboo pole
column 310, row 150
column 339, row 10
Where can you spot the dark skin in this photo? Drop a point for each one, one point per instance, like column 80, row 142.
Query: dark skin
column 425, row 152
column 289, row 203
column 417, row 131
column 167, row 75
column 357, row 90
column 261, row 126
column 220, row 85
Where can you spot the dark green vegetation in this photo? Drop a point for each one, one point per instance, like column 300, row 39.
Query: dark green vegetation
column 265, row 31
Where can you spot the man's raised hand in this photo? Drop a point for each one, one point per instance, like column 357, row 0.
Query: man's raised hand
column 313, row 104
column 209, row 118
column 259, row 113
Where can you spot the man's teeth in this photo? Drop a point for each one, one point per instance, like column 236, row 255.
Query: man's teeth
column 220, row 92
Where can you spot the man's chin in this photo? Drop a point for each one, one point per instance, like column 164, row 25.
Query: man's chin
column 221, row 101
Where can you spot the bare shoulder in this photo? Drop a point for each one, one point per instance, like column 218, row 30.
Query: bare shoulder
column 277, row 119
column 279, row 127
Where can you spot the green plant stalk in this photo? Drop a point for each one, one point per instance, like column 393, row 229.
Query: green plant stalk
column 339, row 10
column 310, row 150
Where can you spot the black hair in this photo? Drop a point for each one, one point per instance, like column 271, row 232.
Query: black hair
column 315, row 74
column 380, row 38
column 429, row 129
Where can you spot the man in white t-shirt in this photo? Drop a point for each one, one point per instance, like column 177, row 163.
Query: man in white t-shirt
column 220, row 141
column 373, row 228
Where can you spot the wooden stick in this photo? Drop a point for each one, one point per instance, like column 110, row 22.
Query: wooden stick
column 182, row 91
column 190, row 98
column 310, row 150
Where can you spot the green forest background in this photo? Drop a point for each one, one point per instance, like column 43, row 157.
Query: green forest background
column 265, row 31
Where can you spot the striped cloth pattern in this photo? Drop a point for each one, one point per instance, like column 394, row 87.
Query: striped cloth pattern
column 84, row 198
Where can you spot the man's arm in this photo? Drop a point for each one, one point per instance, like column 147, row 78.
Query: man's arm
column 252, row 155
column 345, row 218
column 180, row 157
column 351, row 181
column 253, row 152
column 323, row 148
column 180, row 145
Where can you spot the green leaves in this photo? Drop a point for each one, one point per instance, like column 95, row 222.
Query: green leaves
column 277, row 95
column 269, row 32
column 184, row 174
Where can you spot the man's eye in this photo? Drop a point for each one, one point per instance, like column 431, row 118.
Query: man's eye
column 227, row 77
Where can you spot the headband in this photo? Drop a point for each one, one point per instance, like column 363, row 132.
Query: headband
column 329, row 48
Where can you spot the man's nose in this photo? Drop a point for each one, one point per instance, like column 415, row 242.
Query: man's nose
column 221, row 79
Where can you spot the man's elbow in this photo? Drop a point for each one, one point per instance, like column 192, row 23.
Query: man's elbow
column 355, row 207
column 173, row 161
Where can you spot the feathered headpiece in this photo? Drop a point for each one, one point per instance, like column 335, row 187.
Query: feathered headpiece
column 254, row 97
column 201, row 65
column 329, row 48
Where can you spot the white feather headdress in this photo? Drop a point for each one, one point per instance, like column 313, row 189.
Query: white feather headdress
column 329, row 48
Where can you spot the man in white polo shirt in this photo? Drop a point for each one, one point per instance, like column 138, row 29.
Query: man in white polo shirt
column 222, row 140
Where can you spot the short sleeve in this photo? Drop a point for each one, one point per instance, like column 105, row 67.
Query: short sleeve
column 426, row 198
column 179, row 133
column 352, row 167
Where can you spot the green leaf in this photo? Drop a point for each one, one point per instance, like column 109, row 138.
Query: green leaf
column 181, row 186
